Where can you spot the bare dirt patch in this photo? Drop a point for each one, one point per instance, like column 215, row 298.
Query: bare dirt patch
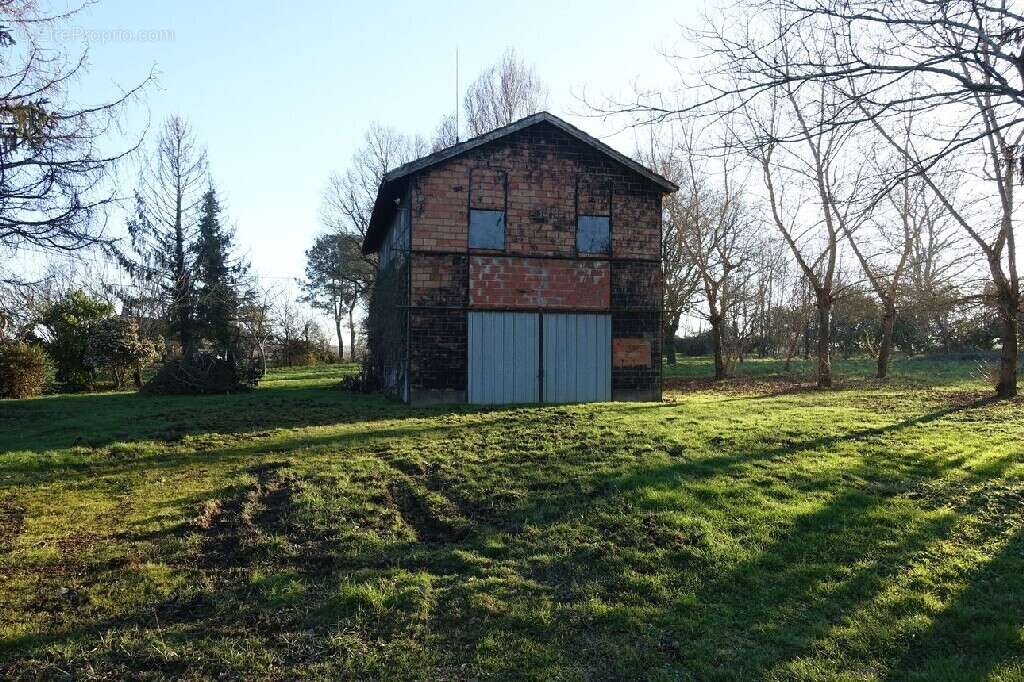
column 223, row 523
column 740, row 385
column 12, row 524
column 220, row 524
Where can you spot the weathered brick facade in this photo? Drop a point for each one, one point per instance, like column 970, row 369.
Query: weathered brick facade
column 636, row 316
column 437, row 355
column 543, row 178
column 439, row 280
column 538, row 283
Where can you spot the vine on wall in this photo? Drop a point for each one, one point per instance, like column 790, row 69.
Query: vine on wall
column 386, row 327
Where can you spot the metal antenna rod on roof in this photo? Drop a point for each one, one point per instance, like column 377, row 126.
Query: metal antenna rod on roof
column 456, row 94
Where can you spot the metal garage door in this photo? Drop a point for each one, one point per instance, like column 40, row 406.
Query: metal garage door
column 577, row 358
column 504, row 361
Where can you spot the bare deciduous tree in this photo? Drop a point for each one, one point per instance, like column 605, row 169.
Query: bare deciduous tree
column 503, row 93
column 54, row 173
column 801, row 183
column 954, row 66
column 716, row 238
column 882, row 250
column 347, row 202
column 679, row 275
column 989, row 221
column 884, row 276
column 445, row 135
column 288, row 321
column 168, row 201
column 347, row 205
column 256, row 319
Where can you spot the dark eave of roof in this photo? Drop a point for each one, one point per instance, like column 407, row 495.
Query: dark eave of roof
column 394, row 181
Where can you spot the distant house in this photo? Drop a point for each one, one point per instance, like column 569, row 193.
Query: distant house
column 520, row 266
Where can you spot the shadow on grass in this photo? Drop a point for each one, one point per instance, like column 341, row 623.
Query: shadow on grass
column 98, row 420
column 918, row 371
column 777, row 606
column 980, row 630
column 714, row 465
column 43, row 469
column 772, row 608
column 740, row 620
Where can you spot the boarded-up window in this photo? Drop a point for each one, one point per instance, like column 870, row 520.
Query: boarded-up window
column 593, row 214
column 593, row 234
column 486, row 229
column 487, row 202
column 631, row 353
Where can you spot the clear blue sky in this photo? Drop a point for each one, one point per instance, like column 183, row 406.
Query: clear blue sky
column 281, row 92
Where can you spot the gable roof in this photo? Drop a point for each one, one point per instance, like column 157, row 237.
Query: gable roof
column 392, row 184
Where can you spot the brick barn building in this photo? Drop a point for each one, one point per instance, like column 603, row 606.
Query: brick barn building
column 520, row 266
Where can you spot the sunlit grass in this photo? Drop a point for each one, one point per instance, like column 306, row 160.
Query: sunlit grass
column 750, row 531
column 919, row 369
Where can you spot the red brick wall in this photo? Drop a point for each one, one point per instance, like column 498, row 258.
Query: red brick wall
column 487, row 189
column 593, row 193
column 549, row 176
column 438, row 279
column 440, row 214
column 510, row 282
column 545, row 178
column 636, row 330
column 636, row 223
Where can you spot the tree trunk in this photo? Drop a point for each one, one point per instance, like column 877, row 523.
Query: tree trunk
column 1009, row 321
column 824, row 343
column 351, row 335
column 341, row 343
column 716, row 345
column 669, row 336
column 791, row 349
column 807, row 338
column 185, row 333
column 885, row 349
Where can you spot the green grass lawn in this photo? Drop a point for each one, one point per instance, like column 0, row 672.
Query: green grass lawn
column 922, row 370
column 757, row 530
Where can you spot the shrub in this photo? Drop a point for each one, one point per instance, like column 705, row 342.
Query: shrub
column 362, row 382
column 296, row 353
column 203, row 373
column 22, row 369
column 69, row 322
column 694, row 345
column 115, row 345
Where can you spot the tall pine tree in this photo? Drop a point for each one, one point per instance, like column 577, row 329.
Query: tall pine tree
column 164, row 226
column 219, row 276
column 337, row 279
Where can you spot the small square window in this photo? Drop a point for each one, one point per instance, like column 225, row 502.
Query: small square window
column 592, row 234
column 486, row 229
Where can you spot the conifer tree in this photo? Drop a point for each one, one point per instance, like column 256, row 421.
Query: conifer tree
column 337, row 279
column 219, row 276
column 164, row 226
